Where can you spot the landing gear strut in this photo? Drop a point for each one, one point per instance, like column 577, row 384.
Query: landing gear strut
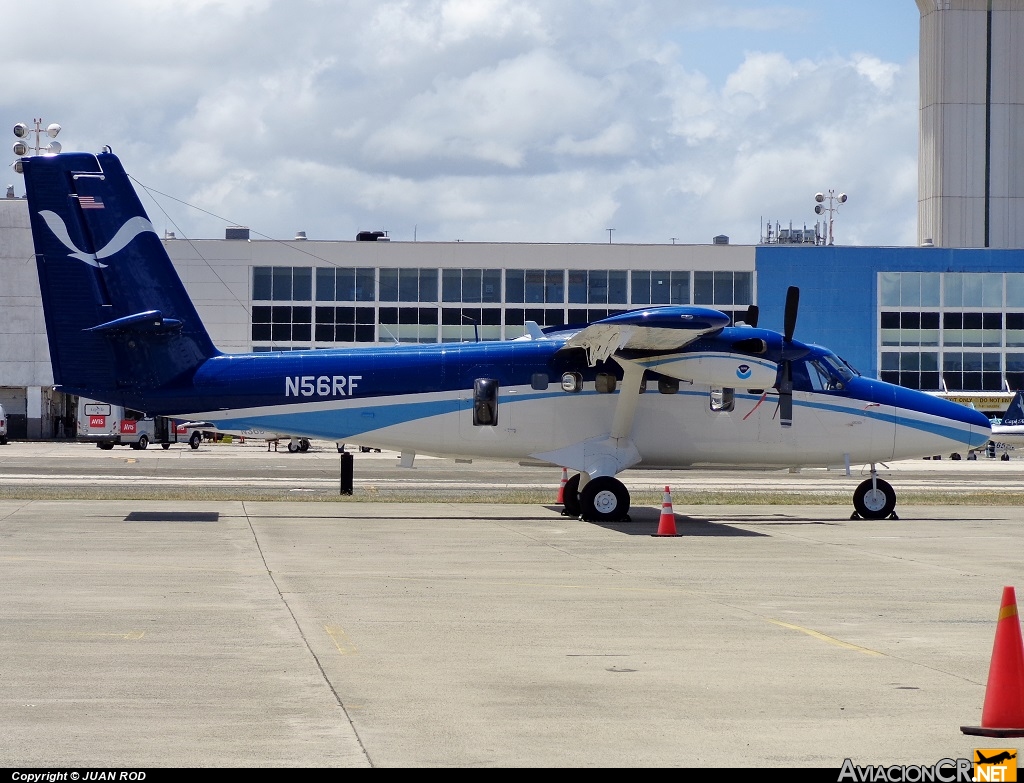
column 874, row 499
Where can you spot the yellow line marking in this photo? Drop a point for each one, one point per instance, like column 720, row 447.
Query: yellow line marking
column 340, row 639
column 824, row 638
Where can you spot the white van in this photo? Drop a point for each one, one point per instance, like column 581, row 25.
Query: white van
column 3, row 426
column 109, row 425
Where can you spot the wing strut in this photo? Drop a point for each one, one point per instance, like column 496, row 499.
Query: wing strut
column 629, row 398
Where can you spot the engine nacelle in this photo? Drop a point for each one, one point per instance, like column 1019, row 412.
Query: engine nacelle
column 728, row 370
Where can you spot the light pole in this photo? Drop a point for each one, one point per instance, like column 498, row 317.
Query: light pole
column 23, row 146
column 833, row 206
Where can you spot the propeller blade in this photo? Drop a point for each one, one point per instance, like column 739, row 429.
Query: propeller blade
column 792, row 305
column 752, row 314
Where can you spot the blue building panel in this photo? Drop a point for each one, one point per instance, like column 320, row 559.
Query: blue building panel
column 839, row 288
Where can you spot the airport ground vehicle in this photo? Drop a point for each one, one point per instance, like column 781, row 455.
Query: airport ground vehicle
column 109, row 425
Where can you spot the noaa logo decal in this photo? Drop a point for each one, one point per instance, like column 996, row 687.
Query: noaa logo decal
column 743, row 372
column 131, row 229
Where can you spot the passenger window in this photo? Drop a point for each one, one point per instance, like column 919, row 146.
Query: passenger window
column 668, row 385
column 723, row 400
column 604, row 383
column 485, row 402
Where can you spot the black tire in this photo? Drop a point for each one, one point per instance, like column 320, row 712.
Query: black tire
column 571, row 496
column 303, row 445
column 876, row 502
column 105, row 446
column 143, row 443
column 165, row 446
column 604, row 499
column 292, row 447
column 954, row 455
column 194, row 440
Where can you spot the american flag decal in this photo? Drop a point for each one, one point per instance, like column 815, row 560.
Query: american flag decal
column 90, row 202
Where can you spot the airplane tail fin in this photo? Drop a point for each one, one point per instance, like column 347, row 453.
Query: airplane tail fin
column 118, row 319
column 1015, row 412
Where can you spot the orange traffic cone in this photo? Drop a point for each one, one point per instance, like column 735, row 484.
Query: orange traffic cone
column 1003, row 713
column 667, row 522
column 561, row 487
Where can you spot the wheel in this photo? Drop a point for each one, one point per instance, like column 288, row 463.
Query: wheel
column 143, row 442
column 571, row 496
column 604, row 499
column 165, row 446
column 954, row 455
column 1004, row 458
column 293, row 446
column 194, row 440
column 876, row 502
column 104, row 445
column 303, row 445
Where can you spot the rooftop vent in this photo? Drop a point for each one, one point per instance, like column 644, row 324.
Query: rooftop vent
column 928, row 243
column 300, row 235
column 721, row 239
column 236, row 232
column 373, row 236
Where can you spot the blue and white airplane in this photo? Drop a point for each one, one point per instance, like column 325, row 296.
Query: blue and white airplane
column 659, row 387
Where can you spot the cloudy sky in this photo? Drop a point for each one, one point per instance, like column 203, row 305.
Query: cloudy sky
column 487, row 120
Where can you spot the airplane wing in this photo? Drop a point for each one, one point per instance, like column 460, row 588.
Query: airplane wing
column 659, row 329
column 663, row 329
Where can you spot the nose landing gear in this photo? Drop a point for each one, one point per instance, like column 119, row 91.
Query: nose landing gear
column 874, row 499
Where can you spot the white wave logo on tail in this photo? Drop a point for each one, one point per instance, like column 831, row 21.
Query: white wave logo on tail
column 131, row 229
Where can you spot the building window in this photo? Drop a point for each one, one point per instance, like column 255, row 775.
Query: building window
column 282, row 284
column 597, row 286
column 655, row 288
column 535, row 286
column 471, row 285
column 722, row 288
column 354, row 284
column 281, row 324
column 345, row 324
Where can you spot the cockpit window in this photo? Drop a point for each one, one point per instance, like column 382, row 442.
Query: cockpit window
column 838, row 366
column 822, row 373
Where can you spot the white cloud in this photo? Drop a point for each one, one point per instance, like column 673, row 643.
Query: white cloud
column 510, row 120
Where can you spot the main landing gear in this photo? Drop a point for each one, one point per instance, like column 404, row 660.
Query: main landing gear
column 600, row 499
column 874, row 499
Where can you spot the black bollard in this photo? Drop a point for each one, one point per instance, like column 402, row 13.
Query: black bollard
column 346, row 473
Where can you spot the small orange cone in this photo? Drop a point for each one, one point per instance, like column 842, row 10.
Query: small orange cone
column 1003, row 713
column 667, row 522
column 561, row 487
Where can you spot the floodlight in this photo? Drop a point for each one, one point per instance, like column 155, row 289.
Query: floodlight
column 842, row 198
column 53, row 147
column 52, row 130
column 20, row 148
column 17, row 166
column 818, row 209
column 21, row 130
column 819, row 197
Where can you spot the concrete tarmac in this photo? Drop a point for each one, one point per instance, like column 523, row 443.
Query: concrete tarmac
column 279, row 634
